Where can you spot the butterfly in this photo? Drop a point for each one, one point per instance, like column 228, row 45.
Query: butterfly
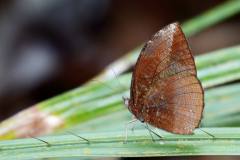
column 165, row 91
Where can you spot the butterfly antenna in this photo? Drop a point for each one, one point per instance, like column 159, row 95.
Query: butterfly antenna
column 147, row 127
column 45, row 142
column 108, row 86
column 78, row 136
column 209, row 134
column 116, row 76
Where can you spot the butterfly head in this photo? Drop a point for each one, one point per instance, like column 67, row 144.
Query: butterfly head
column 125, row 101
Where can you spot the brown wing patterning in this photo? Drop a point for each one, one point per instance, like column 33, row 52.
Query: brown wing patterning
column 165, row 91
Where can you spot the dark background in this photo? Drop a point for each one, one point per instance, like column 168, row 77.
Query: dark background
column 50, row 46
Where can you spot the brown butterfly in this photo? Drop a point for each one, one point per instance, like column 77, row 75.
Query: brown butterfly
column 165, row 91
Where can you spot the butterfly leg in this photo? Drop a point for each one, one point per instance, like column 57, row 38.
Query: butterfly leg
column 151, row 131
column 126, row 128
column 133, row 124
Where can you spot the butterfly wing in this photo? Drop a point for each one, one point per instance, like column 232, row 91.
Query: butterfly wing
column 165, row 90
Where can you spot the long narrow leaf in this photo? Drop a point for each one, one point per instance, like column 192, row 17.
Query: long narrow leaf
column 226, row 141
column 102, row 97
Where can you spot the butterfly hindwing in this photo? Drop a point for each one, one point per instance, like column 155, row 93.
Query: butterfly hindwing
column 165, row 91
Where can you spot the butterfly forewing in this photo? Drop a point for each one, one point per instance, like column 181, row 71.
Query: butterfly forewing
column 165, row 91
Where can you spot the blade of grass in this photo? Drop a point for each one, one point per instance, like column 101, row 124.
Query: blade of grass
column 114, row 100
column 211, row 17
column 80, row 105
column 53, row 114
column 222, row 109
column 110, row 144
column 219, row 67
